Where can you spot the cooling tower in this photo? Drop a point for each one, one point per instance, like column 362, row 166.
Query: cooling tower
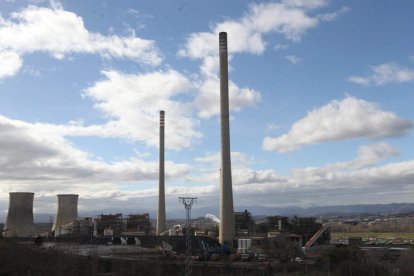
column 226, row 190
column 67, row 211
column 161, row 217
column 19, row 222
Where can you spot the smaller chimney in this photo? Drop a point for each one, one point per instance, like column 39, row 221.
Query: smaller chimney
column 161, row 217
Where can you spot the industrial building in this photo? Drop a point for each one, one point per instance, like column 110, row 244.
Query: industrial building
column 79, row 227
column 306, row 227
column 19, row 222
column 138, row 224
column 109, row 225
column 277, row 223
column 244, row 224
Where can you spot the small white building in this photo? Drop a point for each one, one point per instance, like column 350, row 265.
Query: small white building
column 244, row 245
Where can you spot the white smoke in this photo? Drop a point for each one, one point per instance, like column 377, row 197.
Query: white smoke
column 212, row 217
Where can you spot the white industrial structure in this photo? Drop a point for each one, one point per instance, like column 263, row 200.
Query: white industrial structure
column 19, row 222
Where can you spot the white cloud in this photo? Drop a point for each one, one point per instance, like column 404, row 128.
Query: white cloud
column 360, row 80
column 272, row 126
column 293, row 59
column 289, row 18
column 245, row 34
column 333, row 15
column 345, row 182
column 208, row 98
column 241, row 173
column 348, row 182
column 368, row 155
column 384, row 74
column 349, row 118
column 309, row 4
column 61, row 33
column 10, row 64
column 281, row 46
column 134, row 12
column 371, row 154
column 132, row 103
column 56, row 4
column 356, row 176
column 34, row 156
column 330, row 184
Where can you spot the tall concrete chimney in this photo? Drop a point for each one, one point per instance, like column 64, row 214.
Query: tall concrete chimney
column 67, row 211
column 19, row 222
column 226, row 190
column 161, row 220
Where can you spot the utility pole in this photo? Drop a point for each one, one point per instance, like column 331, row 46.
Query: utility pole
column 188, row 202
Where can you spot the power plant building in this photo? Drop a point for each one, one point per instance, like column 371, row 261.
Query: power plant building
column 67, row 211
column 109, row 225
column 19, row 222
column 80, row 227
column 138, row 223
column 244, row 224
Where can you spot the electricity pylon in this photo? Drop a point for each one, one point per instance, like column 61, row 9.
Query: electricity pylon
column 188, row 202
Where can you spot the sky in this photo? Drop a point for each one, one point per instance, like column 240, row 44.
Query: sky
column 321, row 102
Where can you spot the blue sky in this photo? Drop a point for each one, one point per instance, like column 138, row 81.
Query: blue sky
column 321, row 100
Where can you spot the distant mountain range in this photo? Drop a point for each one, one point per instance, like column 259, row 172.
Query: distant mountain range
column 314, row 211
column 386, row 209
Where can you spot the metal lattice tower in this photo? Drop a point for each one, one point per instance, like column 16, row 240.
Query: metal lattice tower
column 188, row 202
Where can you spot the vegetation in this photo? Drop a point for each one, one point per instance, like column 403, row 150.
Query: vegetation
column 17, row 259
column 406, row 263
column 346, row 261
column 379, row 235
column 395, row 225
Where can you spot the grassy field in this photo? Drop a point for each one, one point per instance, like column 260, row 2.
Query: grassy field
column 378, row 235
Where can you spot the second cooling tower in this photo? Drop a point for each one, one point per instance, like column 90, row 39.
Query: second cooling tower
column 67, row 210
column 19, row 222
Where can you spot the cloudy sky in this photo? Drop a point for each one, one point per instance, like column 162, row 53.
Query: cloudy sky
column 321, row 99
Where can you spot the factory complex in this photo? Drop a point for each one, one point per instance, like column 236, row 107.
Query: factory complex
column 233, row 233
column 276, row 236
column 233, row 237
